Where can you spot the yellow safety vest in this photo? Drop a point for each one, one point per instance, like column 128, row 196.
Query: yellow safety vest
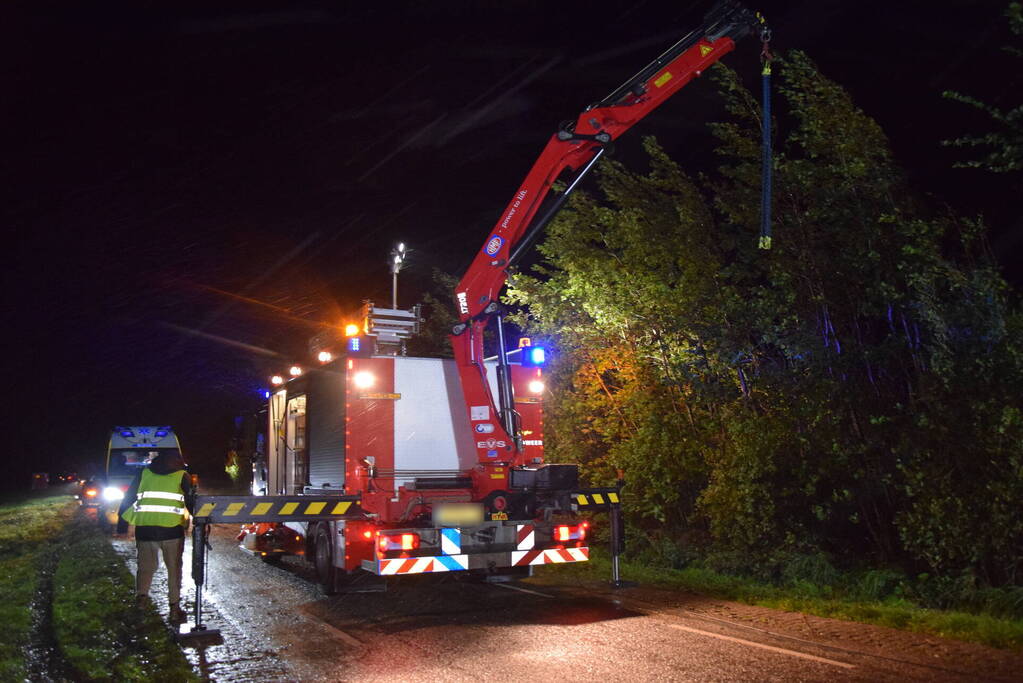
column 160, row 501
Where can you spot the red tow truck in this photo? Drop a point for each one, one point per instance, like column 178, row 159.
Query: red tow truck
column 381, row 464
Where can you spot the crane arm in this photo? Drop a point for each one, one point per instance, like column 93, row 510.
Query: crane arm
column 576, row 146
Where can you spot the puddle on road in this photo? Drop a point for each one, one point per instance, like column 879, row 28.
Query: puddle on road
column 415, row 605
column 241, row 656
column 277, row 626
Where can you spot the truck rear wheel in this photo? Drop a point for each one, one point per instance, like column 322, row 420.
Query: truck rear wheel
column 326, row 572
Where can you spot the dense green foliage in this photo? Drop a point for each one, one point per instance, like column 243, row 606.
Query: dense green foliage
column 851, row 396
column 99, row 631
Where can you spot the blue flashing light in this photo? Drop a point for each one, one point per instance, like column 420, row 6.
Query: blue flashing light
column 160, row 433
column 535, row 355
column 266, row 394
column 127, row 433
column 354, row 344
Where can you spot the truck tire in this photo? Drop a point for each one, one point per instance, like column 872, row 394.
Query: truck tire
column 326, row 572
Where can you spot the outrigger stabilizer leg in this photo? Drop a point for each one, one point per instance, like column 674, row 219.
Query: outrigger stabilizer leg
column 200, row 539
column 617, row 519
column 611, row 499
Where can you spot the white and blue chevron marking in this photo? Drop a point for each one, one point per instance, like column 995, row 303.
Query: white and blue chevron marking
column 451, row 541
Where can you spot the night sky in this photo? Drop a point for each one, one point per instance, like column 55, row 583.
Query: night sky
column 195, row 189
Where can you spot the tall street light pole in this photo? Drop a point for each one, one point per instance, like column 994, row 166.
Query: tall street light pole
column 397, row 259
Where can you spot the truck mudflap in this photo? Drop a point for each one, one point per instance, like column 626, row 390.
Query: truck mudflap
column 427, row 550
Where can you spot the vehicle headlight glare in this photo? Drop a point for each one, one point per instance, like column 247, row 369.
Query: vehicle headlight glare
column 536, row 386
column 112, row 493
column 363, row 380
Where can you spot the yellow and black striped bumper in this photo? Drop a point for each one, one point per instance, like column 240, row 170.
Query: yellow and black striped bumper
column 245, row 509
column 589, row 498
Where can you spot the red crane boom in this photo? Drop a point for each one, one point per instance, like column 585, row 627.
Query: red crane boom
column 575, row 147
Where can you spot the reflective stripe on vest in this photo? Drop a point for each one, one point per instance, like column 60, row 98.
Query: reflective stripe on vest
column 159, row 508
column 160, row 501
column 178, row 497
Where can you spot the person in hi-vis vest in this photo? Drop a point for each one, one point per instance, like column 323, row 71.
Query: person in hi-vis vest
column 158, row 504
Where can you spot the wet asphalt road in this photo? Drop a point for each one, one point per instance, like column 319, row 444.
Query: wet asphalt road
column 276, row 625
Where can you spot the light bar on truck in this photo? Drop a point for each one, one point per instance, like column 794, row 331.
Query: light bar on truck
column 533, row 356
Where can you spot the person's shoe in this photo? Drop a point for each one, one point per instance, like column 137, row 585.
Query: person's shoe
column 176, row 614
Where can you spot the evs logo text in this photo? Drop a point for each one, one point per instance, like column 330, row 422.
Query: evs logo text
column 491, row 443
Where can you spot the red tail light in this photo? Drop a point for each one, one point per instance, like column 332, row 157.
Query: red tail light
column 564, row 532
column 404, row 542
column 92, row 493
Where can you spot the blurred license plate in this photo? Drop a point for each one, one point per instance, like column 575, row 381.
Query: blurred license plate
column 458, row 514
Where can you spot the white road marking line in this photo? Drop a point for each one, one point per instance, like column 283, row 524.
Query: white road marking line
column 771, row 648
column 341, row 635
column 310, row 610
column 521, row 589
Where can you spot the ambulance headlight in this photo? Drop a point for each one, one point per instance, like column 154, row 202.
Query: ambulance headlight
column 363, row 380
column 112, row 493
column 536, row 386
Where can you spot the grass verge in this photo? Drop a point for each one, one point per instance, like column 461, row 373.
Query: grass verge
column 1000, row 632
column 27, row 531
column 99, row 632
